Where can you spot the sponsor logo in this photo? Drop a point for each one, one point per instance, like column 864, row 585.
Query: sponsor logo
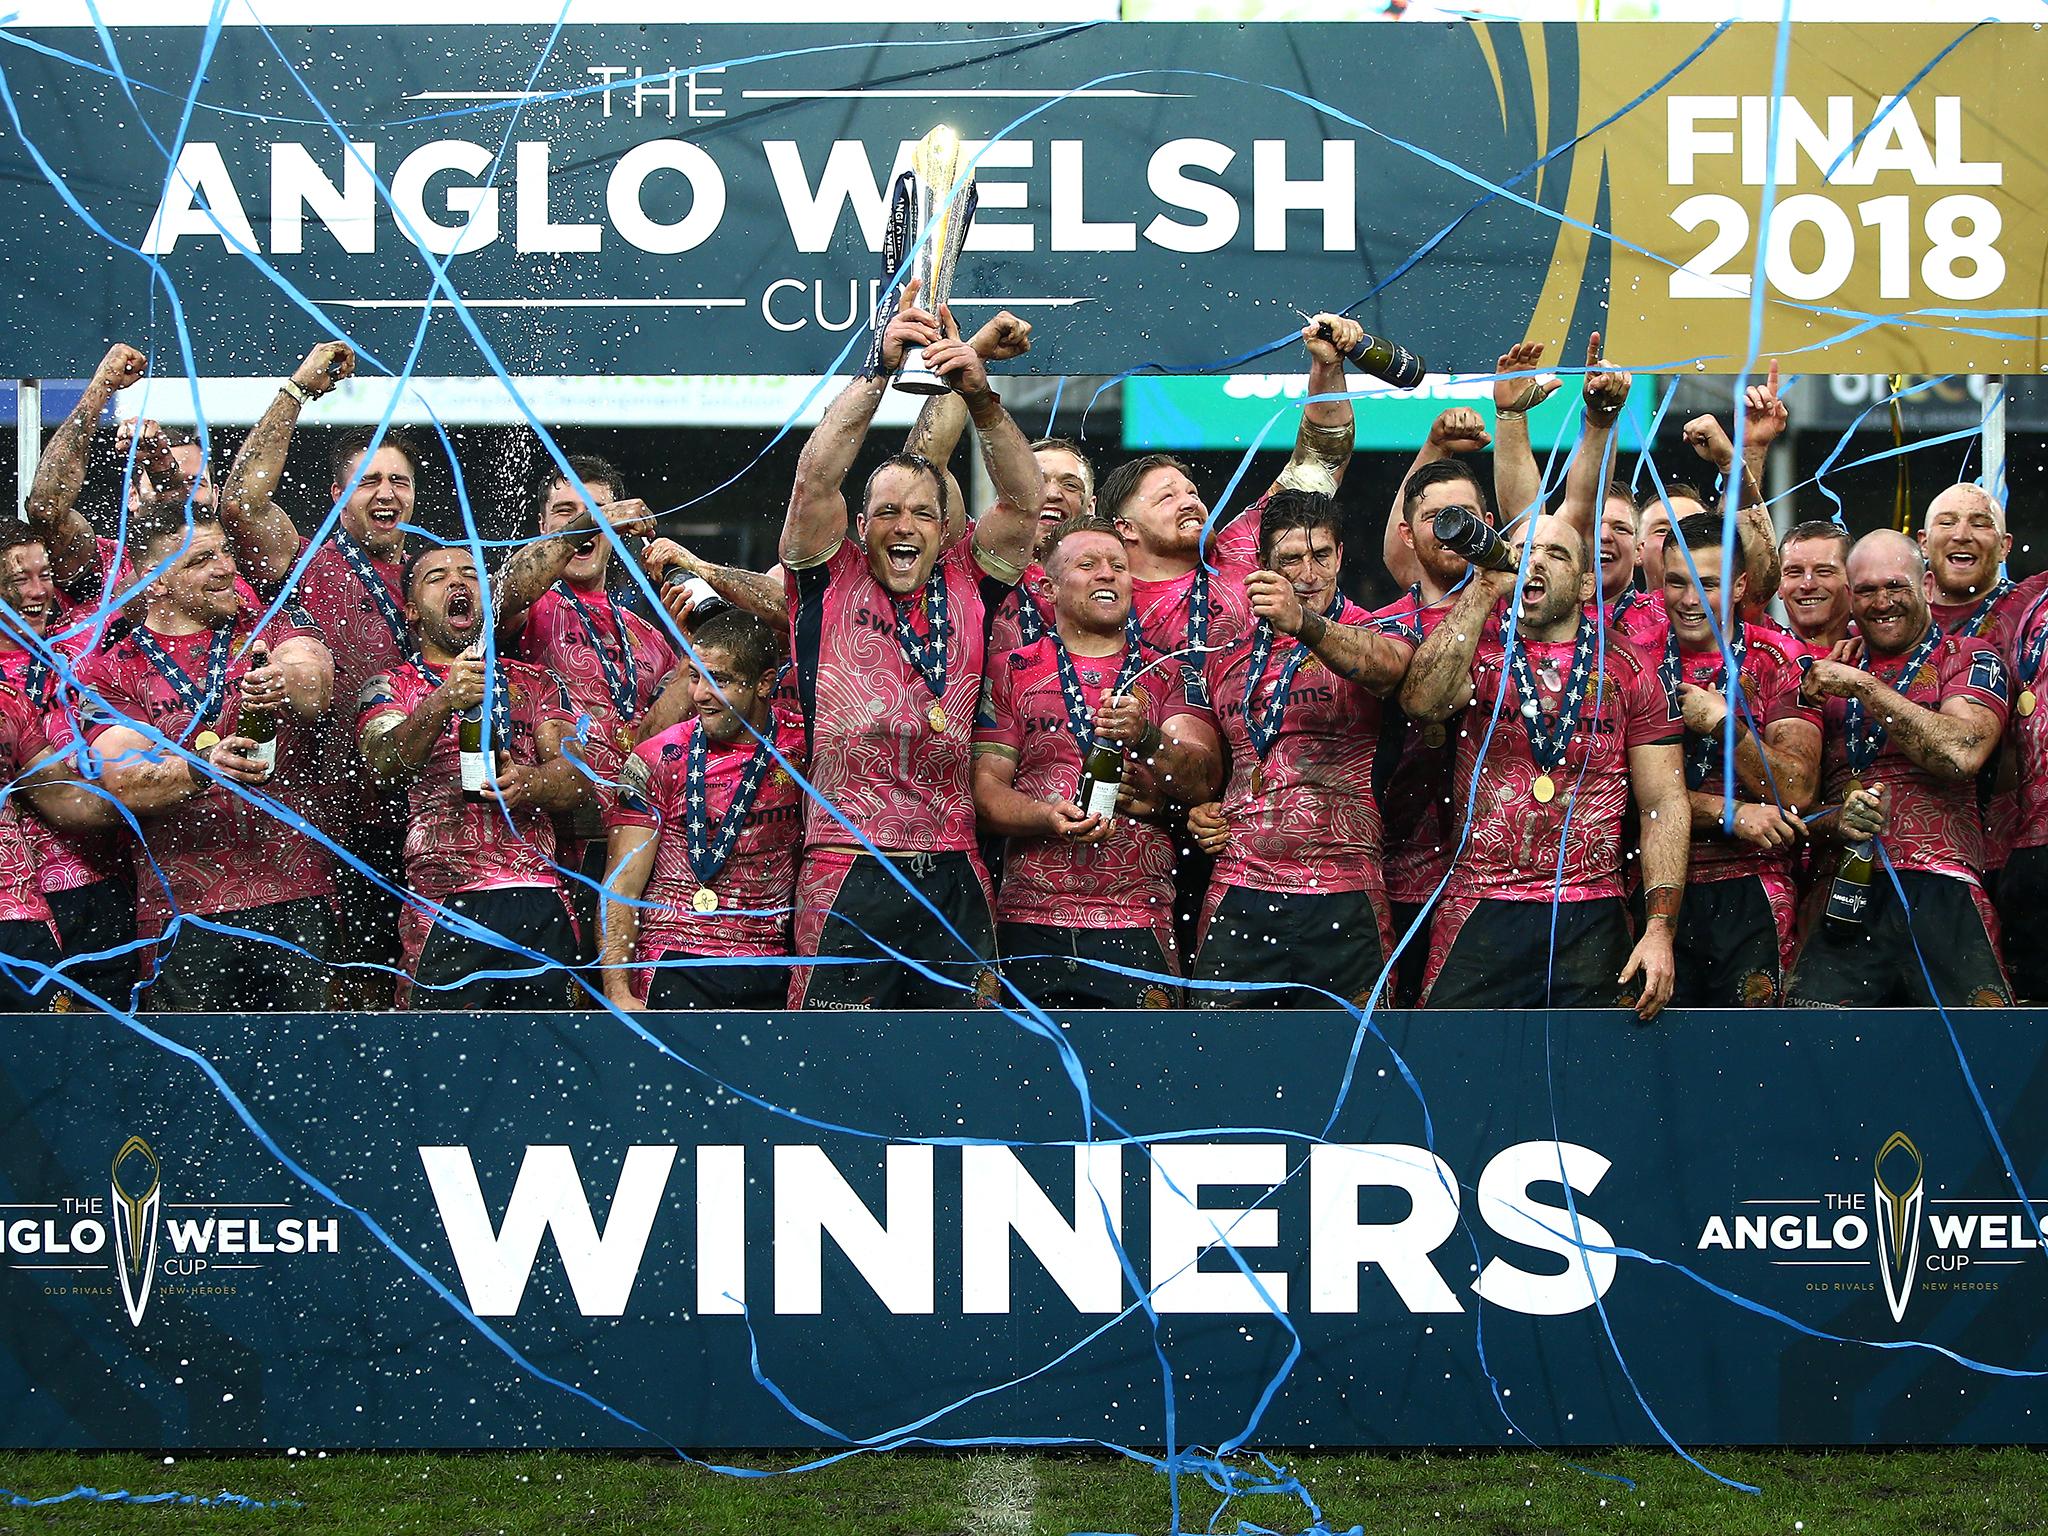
column 1892, row 1238
column 196, row 1248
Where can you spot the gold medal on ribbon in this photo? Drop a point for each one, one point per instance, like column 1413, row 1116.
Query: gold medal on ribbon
column 1259, row 781
column 625, row 738
column 205, row 741
column 2026, row 701
column 1544, row 789
column 936, row 715
column 1434, row 735
column 705, row 901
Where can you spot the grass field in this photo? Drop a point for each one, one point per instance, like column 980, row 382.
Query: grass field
column 931, row 1494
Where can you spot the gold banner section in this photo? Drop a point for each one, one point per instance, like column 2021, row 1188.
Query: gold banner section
column 1904, row 224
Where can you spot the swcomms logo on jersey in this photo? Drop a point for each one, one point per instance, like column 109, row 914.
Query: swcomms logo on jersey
column 119, row 1244
column 1062, row 1215
column 1913, row 1241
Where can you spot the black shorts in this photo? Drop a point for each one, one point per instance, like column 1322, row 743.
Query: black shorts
column 201, row 971
column 1726, row 949
column 726, row 988
column 1411, row 965
column 1504, row 955
column 1312, row 943
column 27, row 944
column 96, row 927
column 867, row 900
column 454, row 973
column 2023, row 921
column 1880, row 966
column 1066, row 967
column 366, row 929
column 590, row 864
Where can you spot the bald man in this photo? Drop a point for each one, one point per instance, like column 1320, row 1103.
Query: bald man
column 1907, row 732
column 1964, row 538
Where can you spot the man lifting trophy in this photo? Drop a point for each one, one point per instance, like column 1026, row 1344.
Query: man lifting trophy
column 933, row 199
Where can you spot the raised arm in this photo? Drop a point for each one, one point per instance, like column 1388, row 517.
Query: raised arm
column 532, row 568
column 1458, row 430
column 1328, row 432
column 1517, row 483
column 1439, row 681
column 1585, row 483
column 1657, row 780
column 52, row 502
column 265, row 538
column 1372, row 658
column 936, row 432
column 815, row 523
column 1007, row 530
column 1754, row 531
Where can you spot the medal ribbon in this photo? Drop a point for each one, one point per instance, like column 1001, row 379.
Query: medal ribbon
column 623, row 688
column 928, row 656
column 205, row 705
column 1265, row 728
column 1973, row 626
column 496, row 692
column 380, row 592
column 1700, row 750
column 1549, row 737
column 1078, row 719
column 1192, row 677
column 711, row 843
column 2030, row 653
column 1030, row 627
column 1866, row 741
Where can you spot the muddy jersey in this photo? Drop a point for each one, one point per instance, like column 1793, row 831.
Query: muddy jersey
column 1936, row 825
column 575, row 646
column 2028, row 727
column 21, row 743
column 365, row 646
column 217, row 851
column 1166, row 609
column 1996, row 617
column 1124, row 881
column 893, row 756
column 452, row 844
column 1515, row 838
column 1770, row 692
column 1412, row 774
column 1305, row 818
column 757, row 885
column 65, row 860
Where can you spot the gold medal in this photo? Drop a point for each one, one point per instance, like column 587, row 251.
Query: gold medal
column 205, row 741
column 2026, row 701
column 937, row 716
column 780, row 779
column 706, row 900
column 625, row 738
column 1544, row 789
column 1434, row 735
column 1259, row 781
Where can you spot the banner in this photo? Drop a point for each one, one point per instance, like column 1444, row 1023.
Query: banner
column 669, row 199
column 557, row 1231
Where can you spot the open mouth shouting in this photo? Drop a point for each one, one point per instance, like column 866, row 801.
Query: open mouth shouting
column 462, row 610
column 902, row 558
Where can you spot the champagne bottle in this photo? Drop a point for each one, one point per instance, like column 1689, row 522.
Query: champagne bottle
column 1102, row 776
column 1849, row 896
column 258, row 725
column 469, row 743
column 1383, row 359
column 1460, row 531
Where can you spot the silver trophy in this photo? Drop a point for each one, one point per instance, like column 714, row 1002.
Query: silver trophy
column 933, row 199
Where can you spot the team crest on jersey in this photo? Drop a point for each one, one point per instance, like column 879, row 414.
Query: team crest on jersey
column 1988, row 675
column 988, row 986
column 1155, row 996
column 1019, row 661
column 377, row 691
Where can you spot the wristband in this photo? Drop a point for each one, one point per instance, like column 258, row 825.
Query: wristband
column 297, row 391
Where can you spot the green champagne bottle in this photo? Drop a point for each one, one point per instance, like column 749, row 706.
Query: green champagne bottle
column 1102, row 776
column 258, row 725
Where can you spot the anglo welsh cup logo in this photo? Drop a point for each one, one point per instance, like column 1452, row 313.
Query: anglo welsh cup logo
column 1898, row 1219
column 135, row 1222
